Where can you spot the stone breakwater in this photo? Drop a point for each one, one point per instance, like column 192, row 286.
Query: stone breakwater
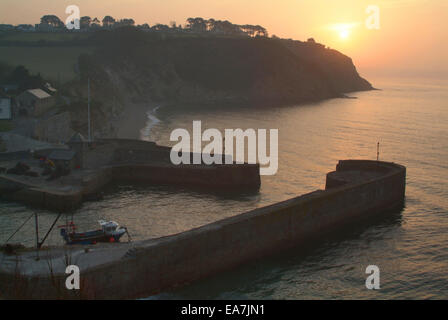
column 121, row 160
column 356, row 190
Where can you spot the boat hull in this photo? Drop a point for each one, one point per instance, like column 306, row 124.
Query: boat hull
column 91, row 237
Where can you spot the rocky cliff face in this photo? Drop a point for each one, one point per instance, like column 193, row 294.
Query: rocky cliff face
column 216, row 70
column 132, row 67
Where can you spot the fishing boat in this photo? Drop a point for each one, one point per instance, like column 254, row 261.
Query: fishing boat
column 110, row 232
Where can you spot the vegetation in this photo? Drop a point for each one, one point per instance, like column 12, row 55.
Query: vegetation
column 53, row 63
column 19, row 76
column 193, row 25
column 54, row 54
column 40, row 38
column 52, row 20
column 202, row 60
column 198, row 67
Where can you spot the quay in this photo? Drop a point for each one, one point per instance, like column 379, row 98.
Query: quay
column 95, row 165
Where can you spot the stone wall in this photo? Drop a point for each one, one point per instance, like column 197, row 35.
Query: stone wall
column 155, row 265
column 220, row 177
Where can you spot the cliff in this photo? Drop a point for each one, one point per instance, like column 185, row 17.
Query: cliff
column 130, row 67
column 216, row 70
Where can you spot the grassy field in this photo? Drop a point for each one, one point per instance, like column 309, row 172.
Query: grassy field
column 53, row 63
column 38, row 36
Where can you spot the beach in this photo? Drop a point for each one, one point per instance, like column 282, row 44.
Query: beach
column 132, row 120
column 137, row 120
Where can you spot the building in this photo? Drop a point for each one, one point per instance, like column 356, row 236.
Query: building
column 34, row 102
column 5, row 108
column 63, row 159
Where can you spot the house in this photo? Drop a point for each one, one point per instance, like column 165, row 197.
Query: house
column 34, row 102
column 63, row 159
column 5, row 108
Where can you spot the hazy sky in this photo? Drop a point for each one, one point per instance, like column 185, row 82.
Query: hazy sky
column 412, row 38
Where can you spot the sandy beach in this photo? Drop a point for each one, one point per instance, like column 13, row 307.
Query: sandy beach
column 133, row 119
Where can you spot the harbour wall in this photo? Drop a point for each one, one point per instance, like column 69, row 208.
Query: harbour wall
column 158, row 264
column 232, row 178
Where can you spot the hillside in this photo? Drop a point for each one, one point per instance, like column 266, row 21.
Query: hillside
column 129, row 68
column 216, row 70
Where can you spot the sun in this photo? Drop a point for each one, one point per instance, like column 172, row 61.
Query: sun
column 343, row 30
column 344, row 34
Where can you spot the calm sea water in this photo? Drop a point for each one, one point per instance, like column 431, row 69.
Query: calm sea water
column 408, row 118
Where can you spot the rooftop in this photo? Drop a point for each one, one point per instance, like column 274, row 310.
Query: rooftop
column 39, row 93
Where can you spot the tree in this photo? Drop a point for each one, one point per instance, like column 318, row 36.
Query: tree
column 52, row 21
column 108, row 21
column 197, row 24
column 145, row 26
column 160, row 27
column 126, row 23
column 248, row 29
column 260, row 31
column 95, row 24
column 229, row 28
column 211, row 24
column 22, row 77
column 85, row 22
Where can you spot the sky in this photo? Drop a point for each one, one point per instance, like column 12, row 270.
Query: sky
column 411, row 39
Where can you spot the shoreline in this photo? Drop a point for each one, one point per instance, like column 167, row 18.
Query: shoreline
column 133, row 120
column 152, row 120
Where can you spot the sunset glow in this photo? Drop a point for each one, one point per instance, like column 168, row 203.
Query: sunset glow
column 229, row 151
column 344, row 34
column 401, row 45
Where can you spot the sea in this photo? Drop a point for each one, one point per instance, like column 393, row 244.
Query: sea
column 409, row 120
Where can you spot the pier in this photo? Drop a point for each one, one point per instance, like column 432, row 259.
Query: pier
column 356, row 190
column 118, row 160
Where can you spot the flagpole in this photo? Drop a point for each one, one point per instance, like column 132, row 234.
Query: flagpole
column 88, row 109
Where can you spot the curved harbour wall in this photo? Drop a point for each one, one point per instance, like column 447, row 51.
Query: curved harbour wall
column 213, row 178
column 155, row 265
